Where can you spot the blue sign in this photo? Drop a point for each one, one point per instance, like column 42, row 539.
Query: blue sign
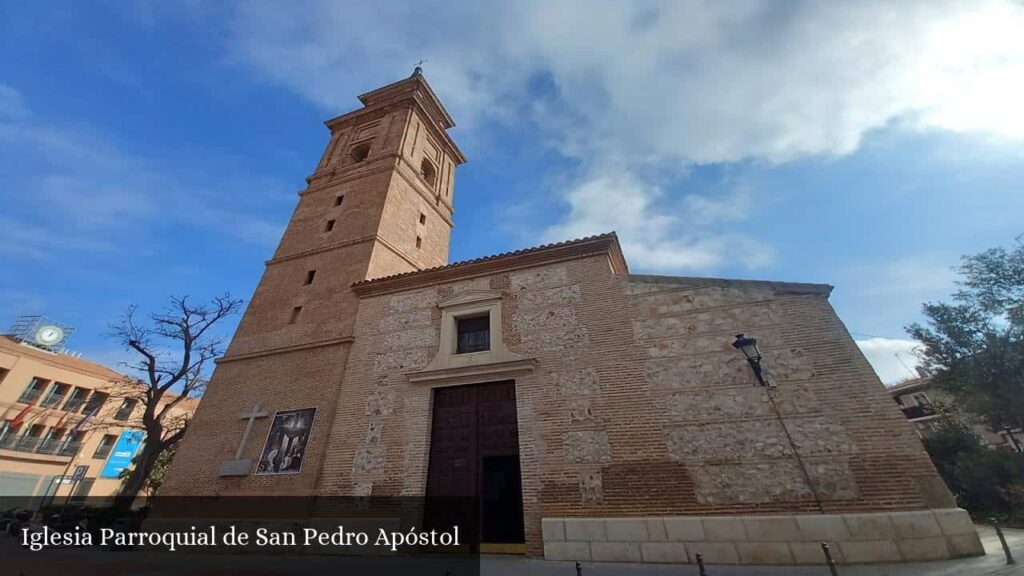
column 127, row 447
column 79, row 474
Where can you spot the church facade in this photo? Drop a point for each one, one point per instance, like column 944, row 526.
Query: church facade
column 599, row 415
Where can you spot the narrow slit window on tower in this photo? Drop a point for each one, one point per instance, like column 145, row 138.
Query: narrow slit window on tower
column 473, row 334
column 419, row 242
column 339, row 200
column 428, row 172
column 359, row 152
column 309, row 277
column 423, row 218
column 330, row 226
column 295, row 315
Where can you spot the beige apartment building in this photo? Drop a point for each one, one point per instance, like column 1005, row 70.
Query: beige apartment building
column 59, row 414
column 925, row 405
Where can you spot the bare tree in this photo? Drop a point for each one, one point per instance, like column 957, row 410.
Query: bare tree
column 175, row 348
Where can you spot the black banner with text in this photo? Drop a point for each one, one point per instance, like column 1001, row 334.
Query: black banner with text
column 244, row 534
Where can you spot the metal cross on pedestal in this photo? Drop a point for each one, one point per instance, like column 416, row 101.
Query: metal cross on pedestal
column 257, row 412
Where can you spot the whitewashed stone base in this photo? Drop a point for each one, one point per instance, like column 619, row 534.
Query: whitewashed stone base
column 779, row 539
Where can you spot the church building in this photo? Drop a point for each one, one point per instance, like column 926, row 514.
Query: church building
column 598, row 415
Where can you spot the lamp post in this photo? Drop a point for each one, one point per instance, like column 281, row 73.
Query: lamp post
column 748, row 345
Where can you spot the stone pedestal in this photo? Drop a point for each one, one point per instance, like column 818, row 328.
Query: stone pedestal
column 240, row 467
column 914, row 536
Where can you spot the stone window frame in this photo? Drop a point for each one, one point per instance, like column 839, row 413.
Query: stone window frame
column 360, row 151
column 451, row 368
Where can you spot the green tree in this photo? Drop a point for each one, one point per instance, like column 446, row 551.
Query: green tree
column 157, row 473
column 975, row 344
column 987, row 481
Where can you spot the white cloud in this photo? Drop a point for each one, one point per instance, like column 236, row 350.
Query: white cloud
column 893, row 359
column 12, row 105
column 653, row 232
column 701, row 81
column 654, row 86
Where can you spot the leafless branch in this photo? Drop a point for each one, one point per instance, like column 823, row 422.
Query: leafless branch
column 175, row 348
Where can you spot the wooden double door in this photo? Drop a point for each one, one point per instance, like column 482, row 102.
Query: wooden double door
column 474, row 454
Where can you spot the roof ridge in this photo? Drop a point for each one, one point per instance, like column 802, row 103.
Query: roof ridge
column 606, row 235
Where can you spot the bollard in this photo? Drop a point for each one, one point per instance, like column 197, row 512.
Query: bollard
column 579, row 569
column 828, row 559
column 1002, row 540
column 700, row 565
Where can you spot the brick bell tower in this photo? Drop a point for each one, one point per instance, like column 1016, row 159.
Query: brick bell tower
column 379, row 203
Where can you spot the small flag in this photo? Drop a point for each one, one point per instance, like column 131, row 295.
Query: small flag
column 20, row 417
column 36, row 418
column 84, row 420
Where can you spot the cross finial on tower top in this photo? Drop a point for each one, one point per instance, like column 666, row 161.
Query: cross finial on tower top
column 418, row 70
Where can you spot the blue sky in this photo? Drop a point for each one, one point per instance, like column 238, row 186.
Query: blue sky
column 155, row 148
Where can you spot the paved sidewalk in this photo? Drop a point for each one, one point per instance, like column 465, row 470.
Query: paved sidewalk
column 993, row 563
column 16, row 561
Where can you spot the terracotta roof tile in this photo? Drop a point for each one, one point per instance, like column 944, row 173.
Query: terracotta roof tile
column 609, row 235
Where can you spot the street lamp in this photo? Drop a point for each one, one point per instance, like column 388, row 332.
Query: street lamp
column 748, row 346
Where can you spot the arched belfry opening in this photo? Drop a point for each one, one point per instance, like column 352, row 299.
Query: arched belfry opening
column 428, row 172
column 360, row 152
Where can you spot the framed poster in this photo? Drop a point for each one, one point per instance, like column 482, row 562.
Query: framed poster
column 286, row 442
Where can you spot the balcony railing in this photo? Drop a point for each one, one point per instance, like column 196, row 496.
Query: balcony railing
column 30, row 396
column 91, row 407
column 19, row 443
column 31, row 444
column 920, row 411
column 103, row 451
column 124, row 413
column 52, row 400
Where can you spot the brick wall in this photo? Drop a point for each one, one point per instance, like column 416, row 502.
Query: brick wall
column 639, row 405
column 287, row 381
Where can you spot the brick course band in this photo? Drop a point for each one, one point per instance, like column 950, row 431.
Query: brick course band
column 915, row 536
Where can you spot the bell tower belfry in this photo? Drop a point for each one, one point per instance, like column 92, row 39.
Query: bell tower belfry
column 394, row 159
column 378, row 204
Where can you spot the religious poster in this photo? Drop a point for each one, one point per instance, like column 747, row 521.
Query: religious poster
column 286, row 442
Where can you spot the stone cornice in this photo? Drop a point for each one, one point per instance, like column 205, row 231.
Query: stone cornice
column 414, row 91
column 328, row 177
column 606, row 244
column 343, row 244
column 394, row 249
column 329, row 247
column 696, row 282
column 474, row 372
column 285, row 349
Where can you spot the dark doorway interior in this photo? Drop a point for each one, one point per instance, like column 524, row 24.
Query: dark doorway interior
column 501, row 500
column 474, row 452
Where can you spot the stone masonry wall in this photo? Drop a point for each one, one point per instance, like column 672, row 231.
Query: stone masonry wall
column 638, row 405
